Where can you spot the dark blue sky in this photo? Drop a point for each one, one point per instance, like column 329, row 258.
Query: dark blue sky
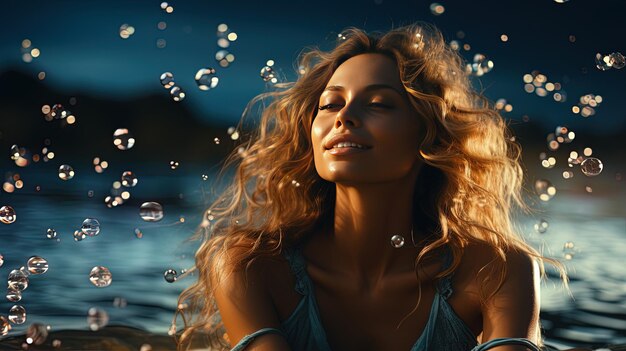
column 81, row 49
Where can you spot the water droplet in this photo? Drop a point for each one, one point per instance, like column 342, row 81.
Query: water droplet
column 541, row 226
column 151, row 211
column 569, row 250
column 37, row 265
column 5, row 327
column 122, row 139
column 480, row 66
column 167, row 80
column 100, row 276
column 544, row 189
column 170, row 275
column 56, row 343
column 51, row 233
column 126, row 31
column 97, row 318
column 205, row 177
column 36, row 334
column 268, row 74
column 146, row 347
column 79, row 235
column 138, row 233
column 1, row 260
column 174, row 164
column 397, row 241
column 91, row 227
column 216, row 141
column 206, row 78
column 437, row 9
column 18, row 280
column 66, row 172
column 591, row 167
column 617, row 60
column 177, row 94
column 7, row 214
column 17, row 314
column 13, row 295
column 129, row 179
column 15, row 152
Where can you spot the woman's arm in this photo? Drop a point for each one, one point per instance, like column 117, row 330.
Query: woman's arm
column 246, row 307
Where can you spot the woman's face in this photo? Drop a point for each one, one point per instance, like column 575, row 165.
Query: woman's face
column 365, row 103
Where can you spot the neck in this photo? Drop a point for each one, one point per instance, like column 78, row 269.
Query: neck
column 366, row 217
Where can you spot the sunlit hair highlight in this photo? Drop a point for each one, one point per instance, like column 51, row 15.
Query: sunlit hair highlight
column 467, row 190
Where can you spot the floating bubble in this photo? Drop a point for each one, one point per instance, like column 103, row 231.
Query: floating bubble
column 120, row 302
column 18, row 280
column 206, row 78
column 51, row 233
column 37, row 265
column 66, row 172
column 167, row 80
column 97, row 318
column 569, row 250
column 129, row 179
column 5, row 326
column 591, row 167
column 100, row 276
column 268, row 75
column 56, row 343
column 541, row 226
column 480, row 66
column 174, row 164
column 1, row 260
column 216, row 141
column 126, row 31
column 151, row 211
column 205, row 177
column 437, row 9
column 544, row 189
column 617, row 60
column 138, row 233
column 13, row 295
column 7, row 214
column 177, row 94
column 17, row 314
column 122, row 139
column 15, row 152
column 397, row 241
column 91, row 227
column 36, row 334
column 170, row 275
column 79, row 235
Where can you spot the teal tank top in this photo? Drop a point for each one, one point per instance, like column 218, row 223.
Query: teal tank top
column 303, row 329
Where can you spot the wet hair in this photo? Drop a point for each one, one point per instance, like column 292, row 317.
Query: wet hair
column 467, row 191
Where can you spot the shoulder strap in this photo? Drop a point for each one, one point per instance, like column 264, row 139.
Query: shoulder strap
column 241, row 345
column 444, row 286
column 294, row 257
column 506, row 341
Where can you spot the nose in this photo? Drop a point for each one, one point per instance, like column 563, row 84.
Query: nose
column 347, row 117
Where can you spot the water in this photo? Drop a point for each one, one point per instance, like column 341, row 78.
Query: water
column 62, row 297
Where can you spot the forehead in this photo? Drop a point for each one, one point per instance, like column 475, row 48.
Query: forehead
column 367, row 69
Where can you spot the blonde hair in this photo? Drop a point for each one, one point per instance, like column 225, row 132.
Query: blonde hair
column 276, row 198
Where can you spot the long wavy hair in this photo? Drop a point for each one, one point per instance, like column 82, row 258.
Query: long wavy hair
column 467, row 191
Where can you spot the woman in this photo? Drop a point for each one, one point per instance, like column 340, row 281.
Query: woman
column 371, row 211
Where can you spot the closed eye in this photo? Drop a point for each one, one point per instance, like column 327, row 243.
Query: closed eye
column 328, row 106
column 379, row 105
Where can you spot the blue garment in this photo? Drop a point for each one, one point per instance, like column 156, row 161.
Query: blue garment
column 303, row 330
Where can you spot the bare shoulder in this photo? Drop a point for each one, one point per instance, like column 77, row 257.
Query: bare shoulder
column 510, row 287
column 244, row 301
column 484, row 264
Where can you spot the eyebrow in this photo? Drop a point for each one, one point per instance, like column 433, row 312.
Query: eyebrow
column 367, row 88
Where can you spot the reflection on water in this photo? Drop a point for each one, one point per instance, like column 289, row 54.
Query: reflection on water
column 140, row 297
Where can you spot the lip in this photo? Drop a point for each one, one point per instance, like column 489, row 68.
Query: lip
column 345, row 151
column 338, row 138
